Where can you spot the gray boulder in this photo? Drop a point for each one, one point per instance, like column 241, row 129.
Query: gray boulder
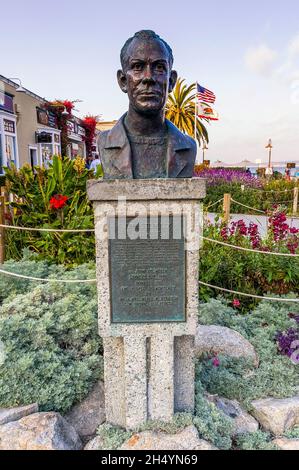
column 277, row 415
column 286, row 444
column 39, row 431
column 95, row 444
column 13, row 414
column 222, row 340
column 243, row 422
column 187, row 439
column 87, row 416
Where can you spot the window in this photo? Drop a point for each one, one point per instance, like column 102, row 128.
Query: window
column 10, row 149
column 9, row 126
column 6, row 102
column 49, row 145
column 1, row 156
column 8, row 141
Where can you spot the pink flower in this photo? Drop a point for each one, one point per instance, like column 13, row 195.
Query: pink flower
column 236, row 303
column 216, row 362
column 223, row 232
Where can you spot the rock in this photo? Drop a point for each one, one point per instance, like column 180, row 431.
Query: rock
column 13, row 414
column 243, row 421
column 187, row 439
column 222, row 340
column 277, row 414
column 87, row 416
column 286, row 444
column 39, row 431
column 95, row 444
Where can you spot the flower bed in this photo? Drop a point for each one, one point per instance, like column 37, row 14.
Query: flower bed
column 246, row 189
column 249, row 271
column 52, row 198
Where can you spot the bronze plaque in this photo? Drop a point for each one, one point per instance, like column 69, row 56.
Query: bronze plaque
column 147, row 269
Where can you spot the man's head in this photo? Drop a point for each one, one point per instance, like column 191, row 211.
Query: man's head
column 146, row 74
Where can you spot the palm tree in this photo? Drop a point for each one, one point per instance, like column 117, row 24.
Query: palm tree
column 180, row 110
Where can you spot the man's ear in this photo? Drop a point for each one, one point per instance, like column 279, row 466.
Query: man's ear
column 122, row 81
column 172, row 80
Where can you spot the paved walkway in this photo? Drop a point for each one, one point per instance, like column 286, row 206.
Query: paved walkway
column 260, row 220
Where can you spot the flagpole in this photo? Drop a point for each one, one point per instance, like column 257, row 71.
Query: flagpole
column 195, row 112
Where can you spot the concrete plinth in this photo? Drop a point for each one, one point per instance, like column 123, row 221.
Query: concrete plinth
column 148, row 366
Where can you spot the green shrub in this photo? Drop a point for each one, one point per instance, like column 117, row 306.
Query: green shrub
column 292, row 433
column 248, row 271
column 49, row 332
column 257, row 440
column 179, row 422
column 238, row 379
column 211, row 423
column 34, row 206
column 261, row 199
column 112, row 437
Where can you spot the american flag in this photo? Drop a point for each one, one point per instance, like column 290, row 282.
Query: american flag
column 203, row 94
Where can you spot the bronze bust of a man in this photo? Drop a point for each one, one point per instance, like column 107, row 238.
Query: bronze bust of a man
column 143, row 144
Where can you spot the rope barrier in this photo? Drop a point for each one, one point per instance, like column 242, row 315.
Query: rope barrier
column 271, row 190
column 277, row 299
column 214, row 204
column 31, row 278
column 33, row 229
column 242, row 248
column 248, row 207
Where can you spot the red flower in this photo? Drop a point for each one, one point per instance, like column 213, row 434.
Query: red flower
column 236, row 303
column 58, row 201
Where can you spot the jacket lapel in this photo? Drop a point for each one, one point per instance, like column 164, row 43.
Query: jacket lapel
column 177, row 151
column 118, row 150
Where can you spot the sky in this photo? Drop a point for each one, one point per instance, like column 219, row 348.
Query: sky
column 247, row 53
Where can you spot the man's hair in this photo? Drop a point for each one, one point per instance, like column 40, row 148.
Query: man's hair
column 145, row 34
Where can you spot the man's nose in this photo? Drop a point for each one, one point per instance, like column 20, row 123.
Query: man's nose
column 148, row 75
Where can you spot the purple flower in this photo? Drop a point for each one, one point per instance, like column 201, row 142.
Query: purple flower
column 285, row 339
column 217, row 176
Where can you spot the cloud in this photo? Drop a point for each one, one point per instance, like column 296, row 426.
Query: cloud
column 260, row 59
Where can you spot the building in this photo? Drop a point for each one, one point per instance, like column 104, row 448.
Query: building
column 29, row 130
column 105, row 125
column 76, row 134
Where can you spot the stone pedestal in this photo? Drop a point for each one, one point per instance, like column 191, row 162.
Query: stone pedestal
column 148, row 358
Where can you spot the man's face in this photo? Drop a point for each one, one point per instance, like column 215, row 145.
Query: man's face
column 147, row 77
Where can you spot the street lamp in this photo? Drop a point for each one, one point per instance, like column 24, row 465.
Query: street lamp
column 20, row 89
column 269, row 171
column 205, row 147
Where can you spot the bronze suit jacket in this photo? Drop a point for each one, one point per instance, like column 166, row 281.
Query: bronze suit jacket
column 115, row 153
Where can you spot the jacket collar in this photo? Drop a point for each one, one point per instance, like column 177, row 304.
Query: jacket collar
column 177, row 142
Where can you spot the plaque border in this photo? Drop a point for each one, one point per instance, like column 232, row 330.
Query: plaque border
column 143, row 322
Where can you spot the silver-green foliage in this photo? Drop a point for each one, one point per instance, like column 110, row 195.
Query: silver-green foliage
column 292, row 433
column 276, row 375
column 257, row 440
column 49, row 333
column 211, row 423
column 112, row 437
